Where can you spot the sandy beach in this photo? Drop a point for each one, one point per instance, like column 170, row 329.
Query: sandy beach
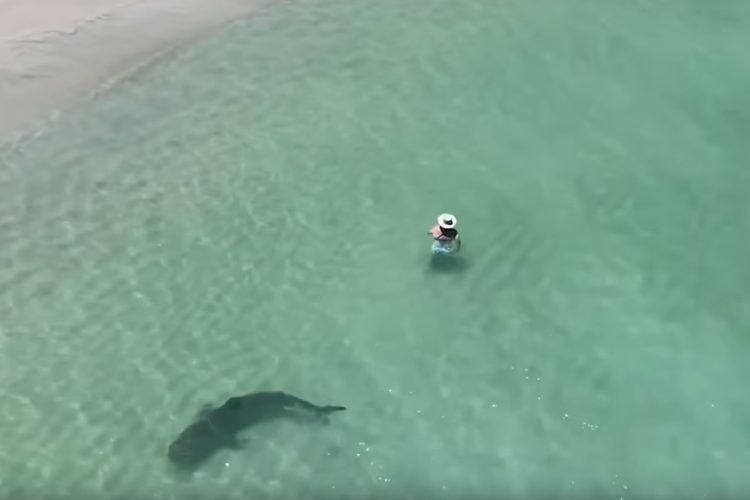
column 55, row 52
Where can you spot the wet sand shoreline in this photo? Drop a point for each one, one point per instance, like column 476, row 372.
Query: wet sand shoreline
column 54, row 54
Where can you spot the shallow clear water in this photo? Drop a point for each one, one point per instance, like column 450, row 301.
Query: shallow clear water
column 252, row 212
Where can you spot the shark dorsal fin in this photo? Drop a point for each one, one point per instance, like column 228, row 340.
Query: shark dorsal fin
column 205, row 410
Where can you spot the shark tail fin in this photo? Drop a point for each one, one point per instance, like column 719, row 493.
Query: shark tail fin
column 325, row 410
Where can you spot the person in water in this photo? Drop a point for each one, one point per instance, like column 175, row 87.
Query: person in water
column 445, row 231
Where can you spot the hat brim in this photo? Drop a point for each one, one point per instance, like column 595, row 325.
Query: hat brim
column 441, row 220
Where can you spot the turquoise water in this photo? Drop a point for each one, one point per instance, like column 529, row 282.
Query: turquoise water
column 251, row 214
